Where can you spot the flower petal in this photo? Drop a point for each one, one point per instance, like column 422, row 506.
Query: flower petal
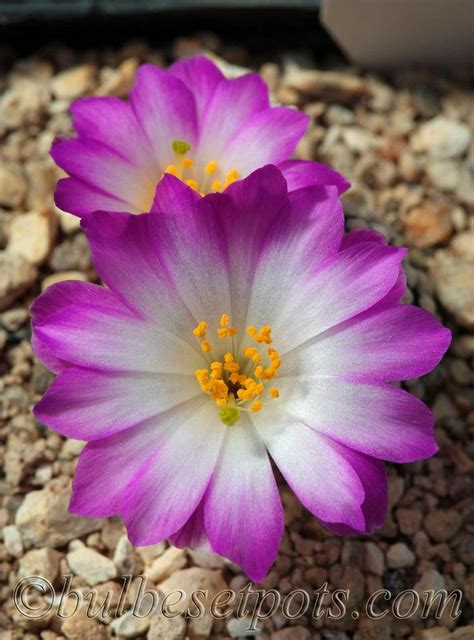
column 231, row 105
column 87, row 405
column 372, row 474
column 242, row 509
column 105, row 171
column 344, row 286
column 140, row 474
column 269, row 136
column 189, row 241
column 201, row 76
column 127, row 261
column 383, row 344
column 165, row 109
column 104, row 334
column 161, row 498
column 305, row 173
column 379, row 420
column 313, row 466
column 112, row 122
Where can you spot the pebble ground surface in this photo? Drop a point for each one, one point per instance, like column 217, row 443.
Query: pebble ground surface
column 404, row 140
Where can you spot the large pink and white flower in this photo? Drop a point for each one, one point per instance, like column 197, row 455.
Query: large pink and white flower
column 189, row 121
column 234, row 329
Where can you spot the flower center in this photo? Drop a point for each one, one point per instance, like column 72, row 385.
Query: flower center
column 238, row 384
column 201, row 179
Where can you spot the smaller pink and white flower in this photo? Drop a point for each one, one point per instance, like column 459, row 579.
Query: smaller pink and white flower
column 189, row 121
column 234, row 329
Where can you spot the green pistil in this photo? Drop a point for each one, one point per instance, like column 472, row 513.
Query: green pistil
column 181, row 147
column 229, row 415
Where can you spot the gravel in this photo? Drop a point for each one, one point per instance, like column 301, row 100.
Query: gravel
column 404, row 140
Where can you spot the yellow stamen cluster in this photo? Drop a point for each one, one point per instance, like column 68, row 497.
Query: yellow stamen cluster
column 235, row 387
column 184, row 169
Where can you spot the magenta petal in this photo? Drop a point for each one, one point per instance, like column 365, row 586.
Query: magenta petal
column 201, row 76
column 165, row 109
column 269, row 136
column 384, row 344
column 160, row 500
column 232, row 104
column 85, row 404
column 242, row 509
column 304, row 173
column 314, row 467
column 381, row 421
column 106, row 172
column 140, row 467
column 373, row 477
column 193, row 534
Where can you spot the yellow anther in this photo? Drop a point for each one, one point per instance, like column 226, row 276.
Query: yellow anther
column 259, row 371
column 180, row 147
column 265, row 334
column 231, row 177
column 188, row 163
column 224, row 381
column 200, row 330
column 172, row 169
column 211, row 167
column 193, row 184
column 217, row 185
column 226, row 331
column 253, row 354
column 225, row 320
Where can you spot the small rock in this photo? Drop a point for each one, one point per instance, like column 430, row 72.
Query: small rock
column 329, row 86
column 91, row 565
column 40, row 562
column 189, row 580
column 293, row 633
column 43, row 518
column 75, row 82
column 455, row 288
column 428, row 225
column 162, row 628
column 12, row 541
column 172, row 560
column 442, row 138
column 16, row 276
column 463, row 245
column 443, row 174
column 399, row 556
column 130, row 626
column 68, row 223
column 442, row 525
column 409, row 520
column 15, row 318
column 31, row 236
column 373, row 559
column 126, row 559
column 206, row 560
column 13, row 186
column 71, row 255
column 118, row 82
column 80, row 627
column 358, row 139
column 239, row 628
column 62, row 276
column 430, row 580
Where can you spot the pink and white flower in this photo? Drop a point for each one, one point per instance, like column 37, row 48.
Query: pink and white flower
column 190, row 121
column 234, row 329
